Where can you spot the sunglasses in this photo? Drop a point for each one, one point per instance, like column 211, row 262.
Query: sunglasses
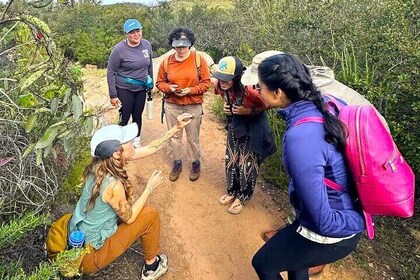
column 258, row 88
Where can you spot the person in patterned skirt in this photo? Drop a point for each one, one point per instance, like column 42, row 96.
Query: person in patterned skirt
column 249, row 137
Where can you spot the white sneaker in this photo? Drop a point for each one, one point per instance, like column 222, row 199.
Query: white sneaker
column 136, row 142
column 161, row 269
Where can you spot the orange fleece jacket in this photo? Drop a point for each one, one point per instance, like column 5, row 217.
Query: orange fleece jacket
column 184, row 74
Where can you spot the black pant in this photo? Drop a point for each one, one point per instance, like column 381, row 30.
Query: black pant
column 132, row 106
column 291, row 252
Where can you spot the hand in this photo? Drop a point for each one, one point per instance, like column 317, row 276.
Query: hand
column 186, row 91
column 227, row 109
column 115, row 102
column 155, row 180
column 174, row 88
column 154, row 90
column 184, row 119
column 241, row 110
column 183, row 92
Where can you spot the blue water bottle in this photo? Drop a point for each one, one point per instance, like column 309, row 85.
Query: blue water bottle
column 76, row 240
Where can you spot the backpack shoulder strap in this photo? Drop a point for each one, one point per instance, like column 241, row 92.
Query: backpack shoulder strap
column 198, row 64
column 309, row 119
column 329, row 183
column 166, row 66
column 333, row 185
column 333, row 104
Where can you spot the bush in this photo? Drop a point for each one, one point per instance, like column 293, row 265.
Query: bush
column 371, row 45
column 271, row 169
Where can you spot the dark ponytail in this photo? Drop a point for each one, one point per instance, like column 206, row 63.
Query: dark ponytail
column 288, row 73
column 336, row 132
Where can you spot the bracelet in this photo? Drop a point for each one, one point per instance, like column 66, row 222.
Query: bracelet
column 149, row 190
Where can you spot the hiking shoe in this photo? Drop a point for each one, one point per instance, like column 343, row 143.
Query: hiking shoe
column 195, row 170
column 176, row 170
column 155, row 274
column 136, row 142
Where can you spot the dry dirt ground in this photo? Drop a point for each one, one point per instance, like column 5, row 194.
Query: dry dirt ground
column 202, row 240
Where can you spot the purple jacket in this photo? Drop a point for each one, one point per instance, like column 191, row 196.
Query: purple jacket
column 308, row 159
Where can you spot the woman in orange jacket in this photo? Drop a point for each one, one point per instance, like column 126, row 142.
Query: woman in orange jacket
column 184, row 81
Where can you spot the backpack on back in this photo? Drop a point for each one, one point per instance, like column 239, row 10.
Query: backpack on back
column 384, row 181
column 166, row 68
column 197, row 65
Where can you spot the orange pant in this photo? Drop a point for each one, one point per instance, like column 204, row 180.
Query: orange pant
column 146, row 227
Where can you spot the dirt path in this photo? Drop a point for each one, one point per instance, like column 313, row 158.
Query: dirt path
column 202, row 240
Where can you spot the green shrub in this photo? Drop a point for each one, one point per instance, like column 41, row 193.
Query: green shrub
column 217, row 108
column 272, row 169
column 80, row 161
column 16, row 229
column 44, row 271
column 12, row 268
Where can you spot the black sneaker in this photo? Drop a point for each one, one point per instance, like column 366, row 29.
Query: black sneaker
column 195, row 170
column 176, row 170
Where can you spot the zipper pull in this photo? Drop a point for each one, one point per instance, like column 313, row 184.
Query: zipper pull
column 393, row 168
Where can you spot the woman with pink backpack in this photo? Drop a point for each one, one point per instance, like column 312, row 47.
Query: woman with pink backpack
column 328, row 224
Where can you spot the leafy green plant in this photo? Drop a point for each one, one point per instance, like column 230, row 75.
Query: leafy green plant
column 17, row 228
column 12, row 268
column 42, row 108
column 44, row 271
column 357, row 72
column 217, row 108
column 75, row 174
column 272, row 169
column 69, row 261
column 44, row 90
column 371, row 45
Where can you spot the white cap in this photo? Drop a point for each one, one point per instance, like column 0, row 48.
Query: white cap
column 181, row 42
column 106, row 140
column 250, row 76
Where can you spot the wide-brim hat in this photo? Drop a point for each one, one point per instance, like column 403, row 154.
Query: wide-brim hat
column 106, row 140
column 250, row 76
column 228, row 68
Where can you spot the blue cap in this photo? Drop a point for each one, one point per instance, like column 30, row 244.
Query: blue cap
column 131, row 24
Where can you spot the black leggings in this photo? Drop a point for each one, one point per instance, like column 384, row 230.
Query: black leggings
column 291, row 252
column 132, row 106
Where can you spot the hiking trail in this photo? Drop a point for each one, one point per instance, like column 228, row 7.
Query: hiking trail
column 201, row 239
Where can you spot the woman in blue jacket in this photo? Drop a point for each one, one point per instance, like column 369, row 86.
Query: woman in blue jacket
column 328, row 225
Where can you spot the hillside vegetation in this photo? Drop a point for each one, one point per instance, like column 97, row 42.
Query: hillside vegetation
column 372, row 46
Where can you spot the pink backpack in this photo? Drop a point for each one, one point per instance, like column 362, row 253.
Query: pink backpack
column 384, row 180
